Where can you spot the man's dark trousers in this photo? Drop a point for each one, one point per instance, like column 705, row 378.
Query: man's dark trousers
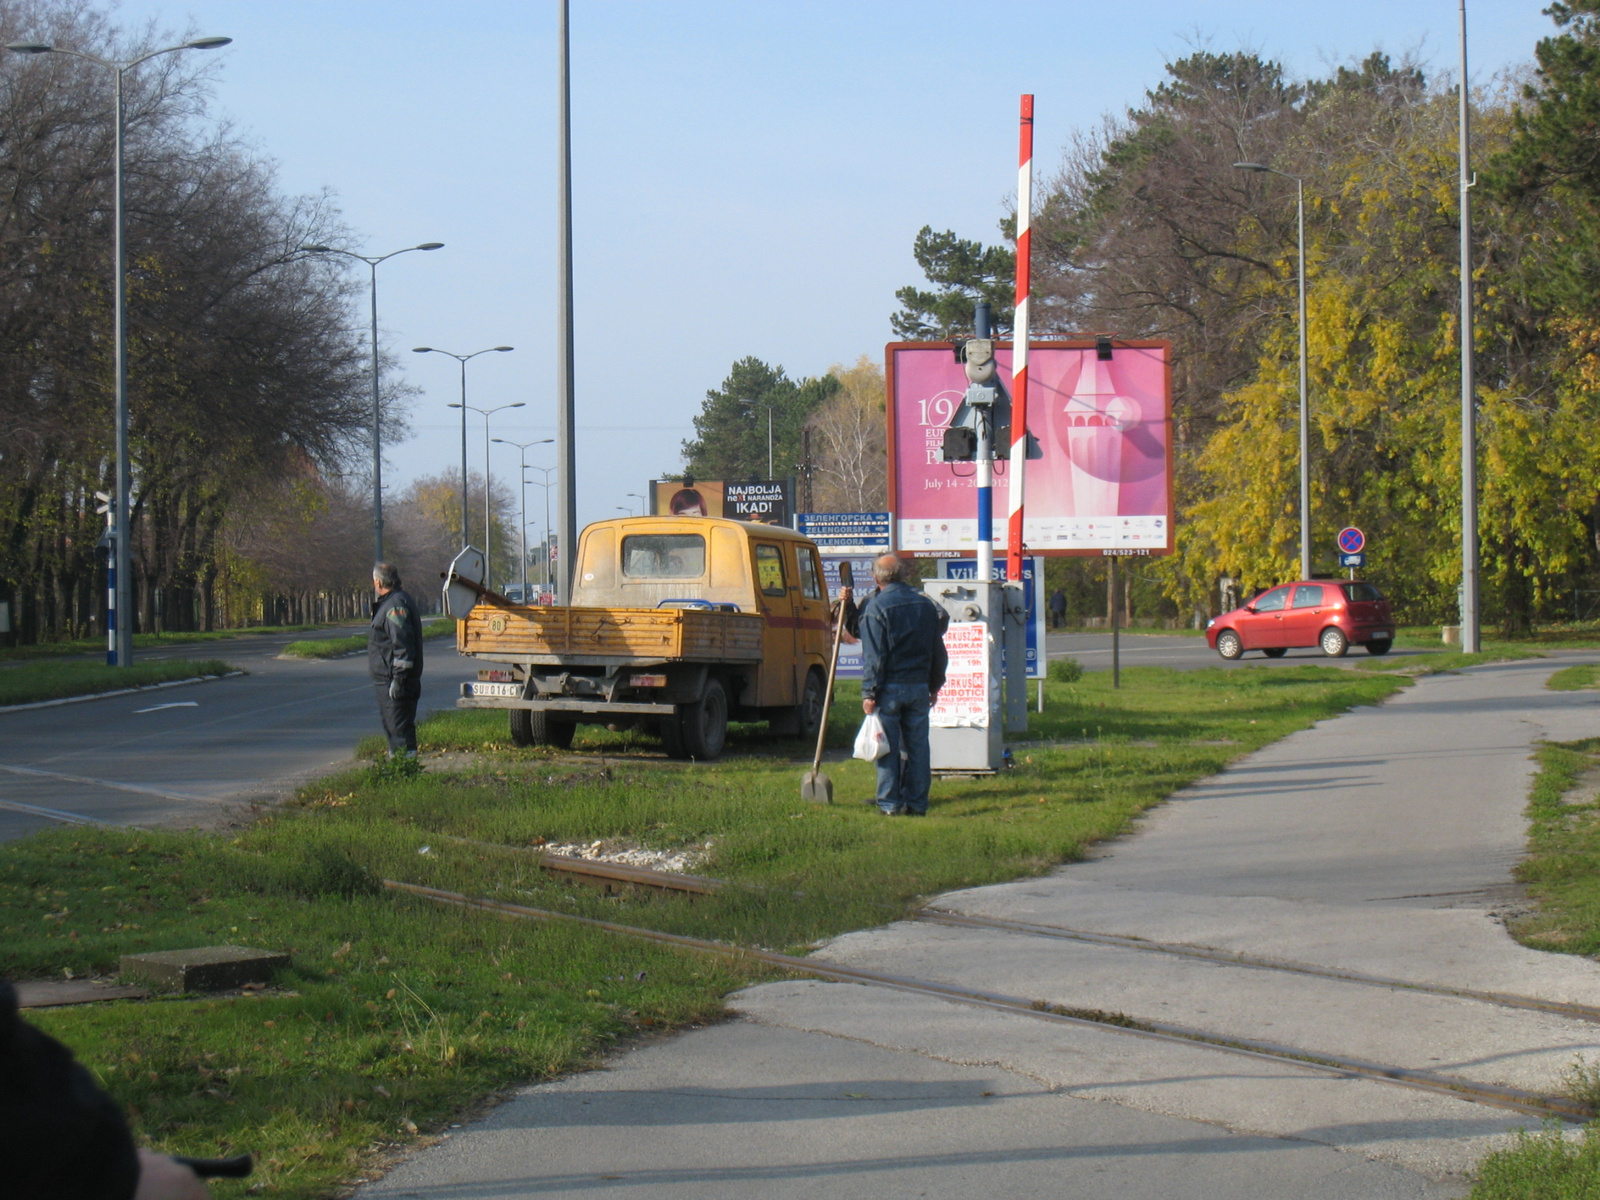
column 903, row 783
column 400, row 716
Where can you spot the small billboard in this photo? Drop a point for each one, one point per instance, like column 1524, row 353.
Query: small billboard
column 1103, row 418
column 764, row 501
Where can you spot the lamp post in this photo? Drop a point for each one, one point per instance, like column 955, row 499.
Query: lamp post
column 372, row 262
column 549, row 563
column 488, row 498
column 463, row 359
column 1305, row 425
column 768, row 403
column 522, row 474
column 120, row 632
column 644, row 504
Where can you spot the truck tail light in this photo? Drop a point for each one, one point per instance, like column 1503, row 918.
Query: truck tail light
column 647, row 681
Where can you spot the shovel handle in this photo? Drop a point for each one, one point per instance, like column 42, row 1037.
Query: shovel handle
column 827, row 695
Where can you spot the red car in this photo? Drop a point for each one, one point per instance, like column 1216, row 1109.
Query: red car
column 1332, row 614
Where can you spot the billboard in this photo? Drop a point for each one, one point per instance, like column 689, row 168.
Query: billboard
column 1104, row 424
column 765, row 501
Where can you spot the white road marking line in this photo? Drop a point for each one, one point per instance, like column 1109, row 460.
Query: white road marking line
column 56, row 814
column 174, row 704
column 110, row 783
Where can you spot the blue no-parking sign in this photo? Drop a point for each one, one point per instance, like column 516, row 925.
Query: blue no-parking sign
column 1352, row 540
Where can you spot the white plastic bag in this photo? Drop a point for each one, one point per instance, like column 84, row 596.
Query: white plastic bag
column 872, row 743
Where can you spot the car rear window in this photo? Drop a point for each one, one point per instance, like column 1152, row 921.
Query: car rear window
column 664, row 556
column 1361, row 591
column 1308, row 595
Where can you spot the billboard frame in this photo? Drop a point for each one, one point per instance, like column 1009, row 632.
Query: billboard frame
column 1071, row 342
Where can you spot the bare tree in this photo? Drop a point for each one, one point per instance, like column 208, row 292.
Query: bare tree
column 850, row 432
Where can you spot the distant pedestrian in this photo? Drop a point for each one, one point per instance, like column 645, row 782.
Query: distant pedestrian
column 903, row 663
column 1058, row 609
column 394, row 660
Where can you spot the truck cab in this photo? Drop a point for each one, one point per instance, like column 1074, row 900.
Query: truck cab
column 676, row 623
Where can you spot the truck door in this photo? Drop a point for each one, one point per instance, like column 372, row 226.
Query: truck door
column 781, row 610
column 816, row 632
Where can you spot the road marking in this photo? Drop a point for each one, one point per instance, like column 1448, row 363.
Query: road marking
column 110, row 783
column 56, row 814
column 174, row 704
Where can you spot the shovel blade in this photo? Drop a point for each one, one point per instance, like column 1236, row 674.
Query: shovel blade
column 816, row 788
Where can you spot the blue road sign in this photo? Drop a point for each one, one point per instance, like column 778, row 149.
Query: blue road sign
column 1352, row 540
column 846, row 533
column 1032, row 590
column 1352, row 560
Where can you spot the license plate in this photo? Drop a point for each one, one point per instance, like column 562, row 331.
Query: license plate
column 1381, row 635
column 513, row 690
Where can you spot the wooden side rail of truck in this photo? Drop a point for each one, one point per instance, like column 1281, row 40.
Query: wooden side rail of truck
column 678, row 624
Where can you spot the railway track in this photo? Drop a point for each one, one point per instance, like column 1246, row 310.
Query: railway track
column 1336, row 1065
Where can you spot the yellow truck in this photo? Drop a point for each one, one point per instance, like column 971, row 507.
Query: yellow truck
column 677, row 625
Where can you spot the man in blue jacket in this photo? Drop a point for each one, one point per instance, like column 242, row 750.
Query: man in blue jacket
column 394, row 660
column 902, row 669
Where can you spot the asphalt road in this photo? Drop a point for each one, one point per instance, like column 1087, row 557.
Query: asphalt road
column 201, row 753
column 1187, row 652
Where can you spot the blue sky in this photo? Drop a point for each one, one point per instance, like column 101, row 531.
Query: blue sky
column 748, row 176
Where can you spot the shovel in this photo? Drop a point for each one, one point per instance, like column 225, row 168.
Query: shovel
column 814, row 785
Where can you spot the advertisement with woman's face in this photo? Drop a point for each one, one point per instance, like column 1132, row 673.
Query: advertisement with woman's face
column 1103, row 426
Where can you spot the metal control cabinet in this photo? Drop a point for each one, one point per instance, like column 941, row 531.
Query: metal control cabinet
column 976, row 708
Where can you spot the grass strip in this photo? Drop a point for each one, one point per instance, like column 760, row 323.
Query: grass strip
column 1448, row 660
column 356, row 643
column 32, row 682
column 145, row 641
column 1575, row 679
column 1542, row 1166
column 399, row 1015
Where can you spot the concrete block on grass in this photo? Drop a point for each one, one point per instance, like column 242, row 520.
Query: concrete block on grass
column 207, row 969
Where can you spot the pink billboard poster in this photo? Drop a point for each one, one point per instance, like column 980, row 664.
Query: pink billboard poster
column 1103, row 425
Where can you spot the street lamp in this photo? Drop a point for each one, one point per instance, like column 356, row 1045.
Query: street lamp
column 768, row 403
column 120, row 631
column 522, row 474
column 1305, row 426
column 486, row 413
column 372, row 261
column 462, row 359
column 549, row 563
column 643, row 503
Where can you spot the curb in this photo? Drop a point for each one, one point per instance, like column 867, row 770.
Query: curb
column 149, row 687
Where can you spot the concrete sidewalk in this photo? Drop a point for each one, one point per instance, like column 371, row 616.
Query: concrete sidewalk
column 1379, row 842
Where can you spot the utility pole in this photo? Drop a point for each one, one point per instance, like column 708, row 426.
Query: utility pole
column 566, row 404
column 1469, row 420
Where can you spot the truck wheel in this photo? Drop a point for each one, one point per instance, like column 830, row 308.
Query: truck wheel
column 809, row 714
column 703, row 725
column 530, row 728
column 672, row 735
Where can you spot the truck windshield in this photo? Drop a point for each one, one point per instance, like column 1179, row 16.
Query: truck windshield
column 664, row 556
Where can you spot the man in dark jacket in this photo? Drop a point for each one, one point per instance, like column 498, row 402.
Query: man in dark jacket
column 394, row 659
column 902, row 669
column 61, row 1137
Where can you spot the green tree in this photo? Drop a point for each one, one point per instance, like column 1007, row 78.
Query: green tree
column 963, row 272
column 730, row 439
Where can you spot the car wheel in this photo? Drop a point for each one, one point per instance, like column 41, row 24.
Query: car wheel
column 1334, row 643
column 1377, row 648
column 1276, row 651
column 530, row 728
column 1229, row 645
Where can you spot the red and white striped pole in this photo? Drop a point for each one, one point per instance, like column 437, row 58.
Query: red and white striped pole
column 1019, row 344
